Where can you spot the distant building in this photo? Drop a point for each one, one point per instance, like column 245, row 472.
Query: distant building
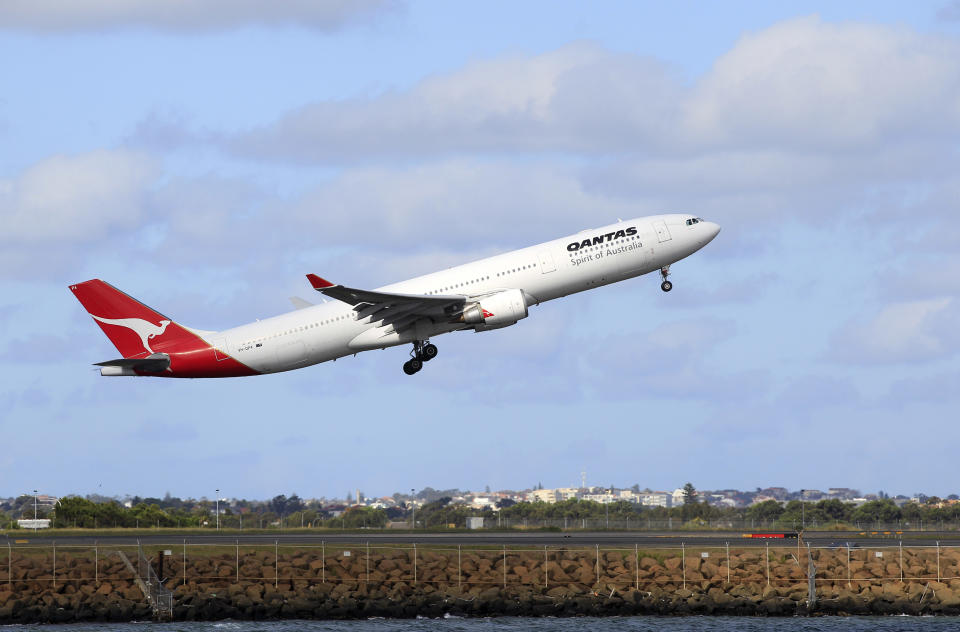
column 677, row 497
column 843, row 493
column 655, row 499
column 628, row 495
column 483, row 502
column 42, row 523
column 567, row 493
column 719, row 500
column 778, row 493
column 543, row 495
column 602, row 497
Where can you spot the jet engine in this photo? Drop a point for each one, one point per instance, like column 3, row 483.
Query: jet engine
column 495, row 311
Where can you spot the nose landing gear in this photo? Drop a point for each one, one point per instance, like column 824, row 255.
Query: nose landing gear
column 423, row 351
column 666, row 286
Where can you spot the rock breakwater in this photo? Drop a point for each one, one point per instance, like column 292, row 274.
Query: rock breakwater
column 315, row 582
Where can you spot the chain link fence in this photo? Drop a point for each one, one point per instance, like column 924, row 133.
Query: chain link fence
column 206, row 567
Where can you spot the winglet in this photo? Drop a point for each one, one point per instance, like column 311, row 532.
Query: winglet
column 318, row 283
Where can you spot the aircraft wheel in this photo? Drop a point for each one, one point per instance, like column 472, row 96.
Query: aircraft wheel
column 408, row 368
column 429, row 352
column 666, row 286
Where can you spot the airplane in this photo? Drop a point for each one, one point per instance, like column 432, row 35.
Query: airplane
column 484, row 295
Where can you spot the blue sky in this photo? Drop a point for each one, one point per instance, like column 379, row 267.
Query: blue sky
column 204, row 160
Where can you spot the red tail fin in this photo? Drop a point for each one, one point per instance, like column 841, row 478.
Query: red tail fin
column 133, row 328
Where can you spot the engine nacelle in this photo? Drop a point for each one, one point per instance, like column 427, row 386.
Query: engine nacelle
column 495, row 311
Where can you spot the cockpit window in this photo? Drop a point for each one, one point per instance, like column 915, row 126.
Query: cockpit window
column 694, row 220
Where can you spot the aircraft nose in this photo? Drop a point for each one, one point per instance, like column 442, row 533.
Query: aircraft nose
column 713, row 229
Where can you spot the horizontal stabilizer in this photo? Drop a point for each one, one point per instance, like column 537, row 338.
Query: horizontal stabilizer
column 300, row 303
column 155, row 363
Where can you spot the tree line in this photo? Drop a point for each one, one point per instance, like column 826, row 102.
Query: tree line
column 292, row 512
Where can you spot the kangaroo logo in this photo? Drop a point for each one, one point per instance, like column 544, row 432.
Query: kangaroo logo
column 143, row 328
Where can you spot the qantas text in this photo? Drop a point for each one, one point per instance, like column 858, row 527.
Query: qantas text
column 596, row 256
column 599, row 239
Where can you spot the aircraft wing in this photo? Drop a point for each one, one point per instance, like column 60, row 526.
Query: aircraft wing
column 398, row 310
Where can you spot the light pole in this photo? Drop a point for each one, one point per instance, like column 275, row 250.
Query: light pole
column 218, row 510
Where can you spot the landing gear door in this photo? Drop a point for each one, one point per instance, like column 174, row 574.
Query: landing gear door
column 663, row 233
column 546, row 262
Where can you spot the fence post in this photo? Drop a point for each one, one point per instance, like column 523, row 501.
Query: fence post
column 546, row 582
column 598, row 564
column 9, row 563
column 54, row 563
column 901, row 560
column 728, row 562
column 767, row 556
column 276, row 563
column 504, row 565
column 238, row 560
column 636, row 563
column 414, row 563
column 848, row 565
column 683, row 563
column 368, row 562
column 938, row 560
column 184, row 561
column 323, row 562
column 459, row 568
column 96, row 564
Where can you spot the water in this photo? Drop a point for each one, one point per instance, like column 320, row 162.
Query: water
column 516, row 624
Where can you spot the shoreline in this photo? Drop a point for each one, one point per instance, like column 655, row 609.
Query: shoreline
column 327, row 601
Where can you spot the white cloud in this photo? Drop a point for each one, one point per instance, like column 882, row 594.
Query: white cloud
column 910, row 331
column 826, row 85
column 817, row 86
column 458, row 202
column 805, row 119
column 75, row 198
column 183, row 15
column 579, row 97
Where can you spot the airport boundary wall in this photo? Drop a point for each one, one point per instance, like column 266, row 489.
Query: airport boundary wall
column 78, row 583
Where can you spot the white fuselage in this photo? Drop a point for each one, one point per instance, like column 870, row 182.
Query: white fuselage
column 543, row 272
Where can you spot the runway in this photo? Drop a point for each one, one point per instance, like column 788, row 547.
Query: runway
column 578, row 539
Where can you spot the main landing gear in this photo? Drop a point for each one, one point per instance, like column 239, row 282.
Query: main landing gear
column 666, row 286
column 423, row 351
